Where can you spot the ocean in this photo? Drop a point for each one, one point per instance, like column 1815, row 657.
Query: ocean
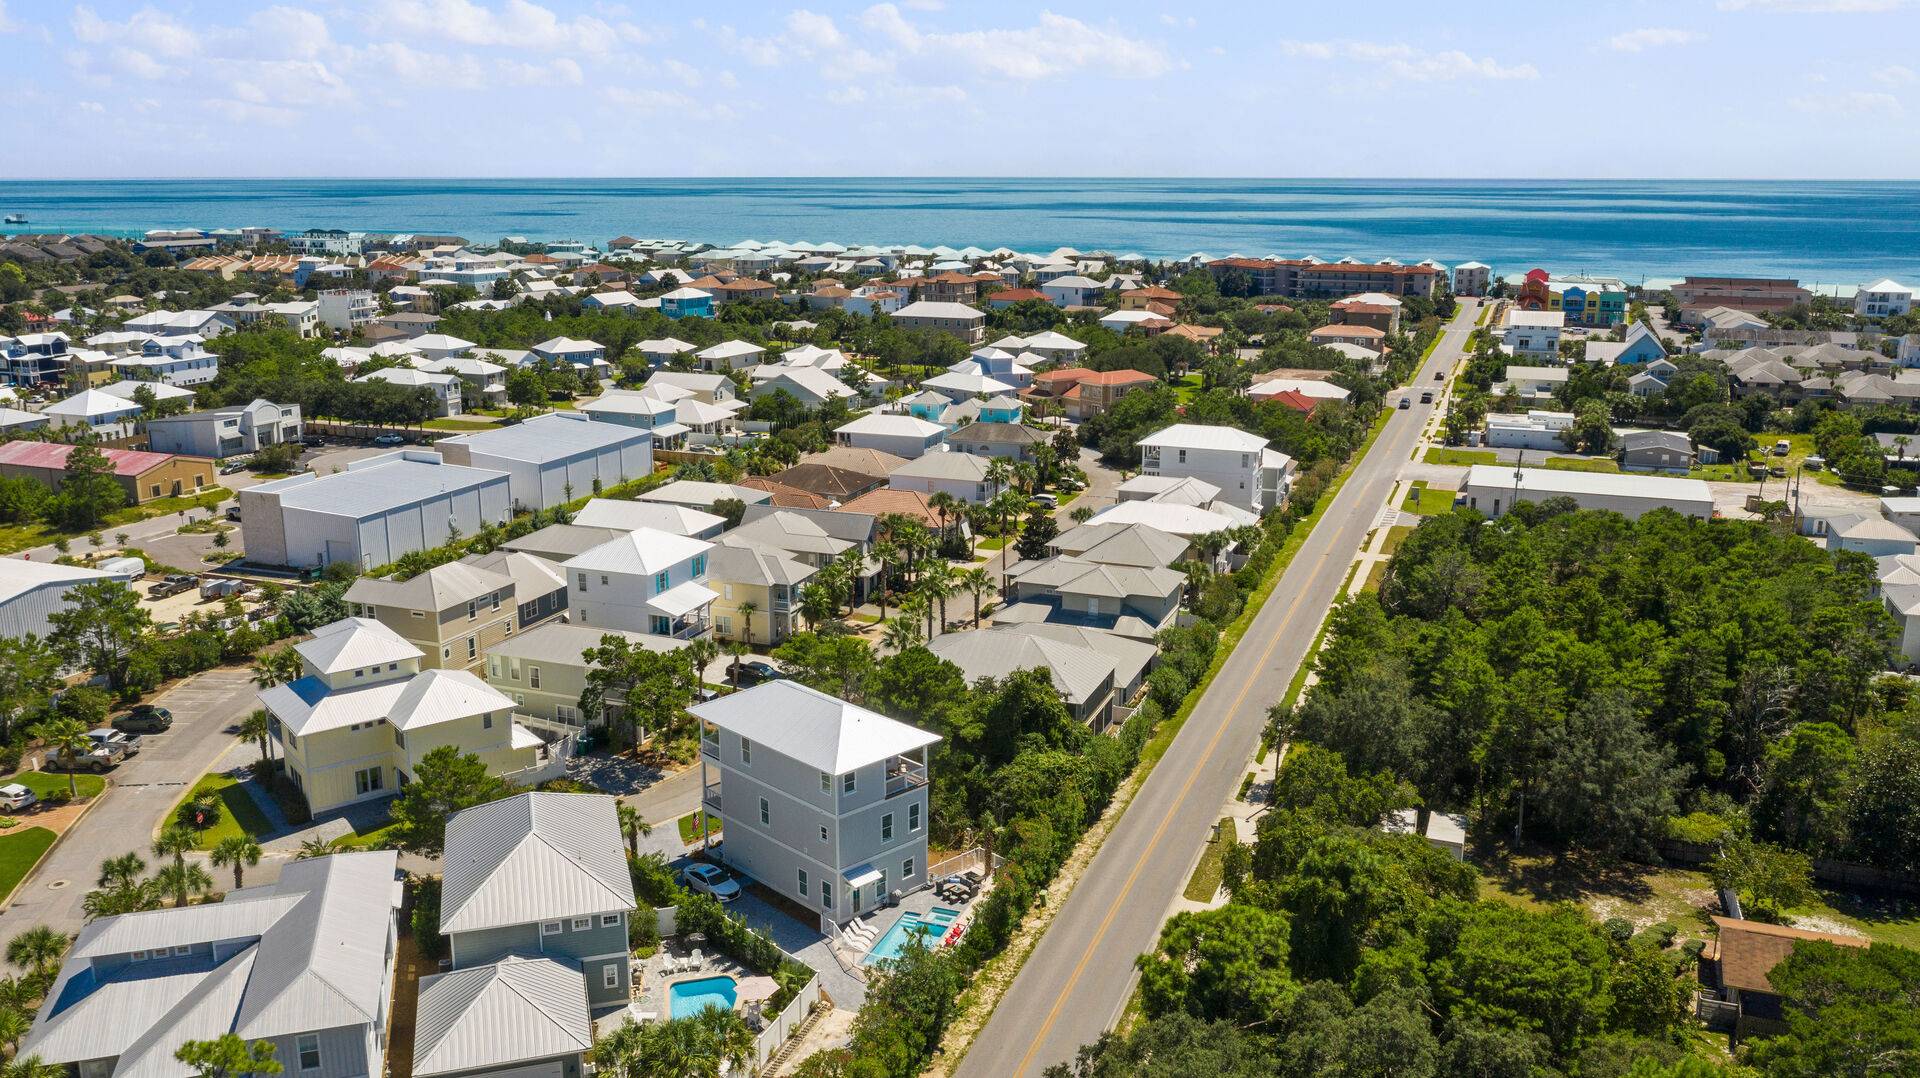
column 1832, row 234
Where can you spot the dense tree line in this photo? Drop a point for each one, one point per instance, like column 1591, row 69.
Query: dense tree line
column 1578, row 677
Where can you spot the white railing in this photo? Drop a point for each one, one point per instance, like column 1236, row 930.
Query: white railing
column 974, row 860
column 552, row 764
column 783, row 1025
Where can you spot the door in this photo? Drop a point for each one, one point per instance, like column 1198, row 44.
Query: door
column 855, row 898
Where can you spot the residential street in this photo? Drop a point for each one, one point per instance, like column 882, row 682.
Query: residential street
column 206, row 709
column 1078, row 978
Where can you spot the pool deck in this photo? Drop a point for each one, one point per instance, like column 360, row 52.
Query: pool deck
column 883, row 920
column 651, row 984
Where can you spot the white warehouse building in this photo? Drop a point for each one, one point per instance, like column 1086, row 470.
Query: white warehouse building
column 1493, row 489
column 32, row 590
column 547, row 456
column 1534, row 430
column 370, row 514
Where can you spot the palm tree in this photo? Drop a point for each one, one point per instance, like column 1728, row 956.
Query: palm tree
column 632, row 825
column 1006, row 507
column 728, row 1037
column 174, row 841
column 122, row 870
column 936, row 584
column 38, row 949
column 237, row 852
column 14, row 1025
column 182, row 880
column 948, row 507
column 887, row 553
column 818, row 603
column 700, row 654
column 257, row 727
column 852, row 563
column 276, row 668
column 1081, row 513
column 979, row 583
column 903, row 632
column 314, row 847
column 66, row 738
column 31, row 1067
column 130, row 897
column 748, row 609
column 738, row 651
column 1025, row 475
column 999, row 471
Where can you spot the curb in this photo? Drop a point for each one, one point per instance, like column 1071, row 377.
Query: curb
column 85, row 810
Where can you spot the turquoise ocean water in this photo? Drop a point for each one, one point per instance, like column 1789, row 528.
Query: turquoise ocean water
column 1828, row 233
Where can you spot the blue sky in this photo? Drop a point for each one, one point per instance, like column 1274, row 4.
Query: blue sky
column 1680, row 88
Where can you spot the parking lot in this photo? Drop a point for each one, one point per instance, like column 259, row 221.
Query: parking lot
column 206, row 708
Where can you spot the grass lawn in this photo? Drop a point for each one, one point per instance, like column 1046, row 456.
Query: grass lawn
column 1395, row 536
column 1207, row 875
column 1185, row 389
column 241, row 815
column 690, row 826
column 991, row 543
column 1444, row 455
column 1581, row 464
column 1427, row 501
column 17, row 537
column 20, row 850
column 1648, row 894
column 1374, row 572
column 365, row 840
column 42, row 783
column 460, row 424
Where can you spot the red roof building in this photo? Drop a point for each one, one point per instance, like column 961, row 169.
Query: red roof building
column 144, row 475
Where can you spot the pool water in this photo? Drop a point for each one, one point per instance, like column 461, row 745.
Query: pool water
column 931, row 925
column 691, row 997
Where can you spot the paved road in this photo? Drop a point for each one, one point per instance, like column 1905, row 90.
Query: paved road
column 1079, row 977
column 206, row 709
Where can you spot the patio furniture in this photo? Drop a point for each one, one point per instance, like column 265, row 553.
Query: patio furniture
column 699, row 961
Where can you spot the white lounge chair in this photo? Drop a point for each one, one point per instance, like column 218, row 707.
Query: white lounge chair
column 699, row 961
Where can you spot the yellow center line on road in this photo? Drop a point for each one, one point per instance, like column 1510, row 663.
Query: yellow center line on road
column 1133, row 877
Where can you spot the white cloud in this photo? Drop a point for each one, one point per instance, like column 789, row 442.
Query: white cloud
column 1055, row 45
column 924, row 5
column 137, row 63
column 813, row 38
column 1894, row 75
column 7, row 25
column 847, row 95
column 560, row 72
column 151, row 30
column 287, row 31
column 1855, row 103
column 517, row 24
column 1410, row 64
column 91, row 106
column 1815, row 7
column 1652, row 37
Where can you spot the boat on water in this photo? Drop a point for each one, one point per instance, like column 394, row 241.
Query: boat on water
column 16, row 218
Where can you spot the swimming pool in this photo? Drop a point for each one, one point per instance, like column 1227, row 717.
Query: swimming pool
column 932, row 925
column 691, row 997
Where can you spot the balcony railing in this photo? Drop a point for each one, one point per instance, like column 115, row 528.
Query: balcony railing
column 905, row 776
column 710, row 797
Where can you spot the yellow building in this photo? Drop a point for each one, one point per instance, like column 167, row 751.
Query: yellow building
column 357, row 724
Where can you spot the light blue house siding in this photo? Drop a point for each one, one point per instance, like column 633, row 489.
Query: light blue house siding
column 598, row 942
column 697, row 307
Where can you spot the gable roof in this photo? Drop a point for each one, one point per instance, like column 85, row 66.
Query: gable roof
column 643, row 550
column 1748, row 950
column 353, row 643
column 1077, row 671
column 533, row 857
column 517, row 1010
column 438, row 588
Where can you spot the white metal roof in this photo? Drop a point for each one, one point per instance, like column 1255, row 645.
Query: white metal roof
column 516, row 1010
column 379, row 484
column 628, row 516
column 354, row 644
column 1546, row 482
column 1201, row 436
column 533, row 857
column 820, row 731
column 548, row 438
column 904, row 426
column 644, row 551
column 19, row 576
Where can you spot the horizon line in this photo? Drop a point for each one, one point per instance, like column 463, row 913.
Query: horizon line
column 982, row 176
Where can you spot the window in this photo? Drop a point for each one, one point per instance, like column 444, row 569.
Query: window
column 1183, row 456
column 610, row 975
column 804, row 889
column 473, row 608
column 446, row 651
column 660, row 582
column 699, row 565
column 603, row 580
column 366, row 781
column 141, row 956
column 486, row 721
column 496, row 600
column 913, row 819
column 581, row 924
column 826, row 783
column 583, row 581
column 766, row 815
column 473, row 647
column 727, row 592
column 886, row 827
column 746, row 751
column 399, row 738
column 823, row 832
column 906, row 869
column 550, row 928
column 608, row 920
column 846, row 783
column 308, row 1045
column 826, row 895
column 419, row 613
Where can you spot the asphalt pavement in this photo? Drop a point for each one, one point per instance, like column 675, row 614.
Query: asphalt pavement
column 207, row 709
column 1078, row 978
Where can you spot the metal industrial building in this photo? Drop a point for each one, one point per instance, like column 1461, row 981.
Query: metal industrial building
column 555, row 457
column 370, row 514
column 1493, row 489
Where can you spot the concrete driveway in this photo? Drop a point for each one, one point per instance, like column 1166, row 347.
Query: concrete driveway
column 206, row 710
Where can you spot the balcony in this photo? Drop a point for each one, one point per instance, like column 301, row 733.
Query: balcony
column 710, row 742
column 710, row 797
column 905, row 775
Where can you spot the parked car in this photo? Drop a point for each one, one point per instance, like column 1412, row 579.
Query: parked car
column 313, row 441
column 1782, row 447
column 106, row 737
column 389, row 439
column 100, row 760
column 711, row 880
column 756, row 671
column 172, row 584
column 1049, row 501
column 17, row 798
column 233, row 513
column 144, row 719
column 233, row 467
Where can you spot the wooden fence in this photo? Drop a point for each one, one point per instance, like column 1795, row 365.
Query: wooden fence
column 1847, row 875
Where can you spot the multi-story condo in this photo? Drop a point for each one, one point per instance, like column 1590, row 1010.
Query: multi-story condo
column 1472, row 278
column 344, row 310
column 1739, row 293
column 304, row 963
column 541, row 874
column 1306, row 278
column 1586, row 301
column 953, row 319
column 174, row 361
column 1240, row 464
column 32, row 358
column 646, row 581
column 453, row 613
column 1882, row 299
column 356, row 724
column 331, row 241
column 821, row 800
column 225, row 432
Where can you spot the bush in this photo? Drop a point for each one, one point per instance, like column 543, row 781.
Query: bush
column 1702, row 827
column 654, row 882
column 426, row 917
